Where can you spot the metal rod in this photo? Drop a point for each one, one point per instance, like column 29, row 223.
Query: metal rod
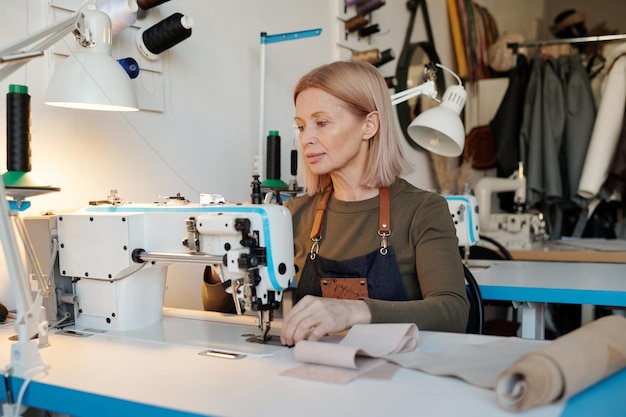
column 586, row 39
column 179, row 257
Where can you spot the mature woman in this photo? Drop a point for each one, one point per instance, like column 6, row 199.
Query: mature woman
column 369, row 246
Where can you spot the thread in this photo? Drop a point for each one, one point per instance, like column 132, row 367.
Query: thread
column 165, row 34
column 149, row 4
column 369, row 30
column 356, row 23
column 255, row 195
column 391, row 81
column 294, row 162
column 123, row 13
column 18, row 129
column 371, row 55
column 370, row 6
column 385, row 56
column 273, row 156
column 130, row 65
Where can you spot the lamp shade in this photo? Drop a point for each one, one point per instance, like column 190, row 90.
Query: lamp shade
column 90, row 78
column 440, row 129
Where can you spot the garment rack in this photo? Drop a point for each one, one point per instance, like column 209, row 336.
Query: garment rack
column 585, row 39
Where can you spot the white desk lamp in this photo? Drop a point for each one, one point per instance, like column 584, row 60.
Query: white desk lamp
column 440, row 129
column 107, row 87
column 88, row 79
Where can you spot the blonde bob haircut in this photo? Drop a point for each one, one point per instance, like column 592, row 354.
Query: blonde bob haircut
column 361, row 87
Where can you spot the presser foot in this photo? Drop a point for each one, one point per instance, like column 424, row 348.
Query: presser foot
column 268, row 340
column 265, row 321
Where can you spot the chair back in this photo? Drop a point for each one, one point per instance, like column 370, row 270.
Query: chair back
column 476, row 322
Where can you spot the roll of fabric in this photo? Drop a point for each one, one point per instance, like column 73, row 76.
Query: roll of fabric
column 606, row 130
column 565, row 366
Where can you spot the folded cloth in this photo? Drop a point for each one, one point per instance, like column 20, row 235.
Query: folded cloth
column 565, row 366
column 358, row 353
column 370, row 340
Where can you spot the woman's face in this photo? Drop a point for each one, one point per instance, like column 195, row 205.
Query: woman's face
column 332, row 140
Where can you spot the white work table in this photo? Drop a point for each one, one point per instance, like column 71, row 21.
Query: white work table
column 532, row 284
column 148, row 374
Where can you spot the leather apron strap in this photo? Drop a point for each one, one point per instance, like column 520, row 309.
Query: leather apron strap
column 384, row 226
column 378, row 270
column 318, row 221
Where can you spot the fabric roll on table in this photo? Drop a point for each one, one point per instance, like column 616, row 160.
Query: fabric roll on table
column 564, row 367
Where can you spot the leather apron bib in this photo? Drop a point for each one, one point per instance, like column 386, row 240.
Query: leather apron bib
column 374, row 275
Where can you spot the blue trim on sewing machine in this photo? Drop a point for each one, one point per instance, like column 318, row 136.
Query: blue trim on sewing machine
column 470, row 204
column 258, row 209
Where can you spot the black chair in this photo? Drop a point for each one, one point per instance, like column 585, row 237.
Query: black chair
column 484, row 252
column 476, row 322
column 501, row 249
column 494, row 326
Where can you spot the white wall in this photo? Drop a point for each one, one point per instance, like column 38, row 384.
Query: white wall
column 206, row 137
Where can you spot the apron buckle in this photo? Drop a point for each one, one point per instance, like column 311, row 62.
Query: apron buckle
column 315, row 247
column 383, row 241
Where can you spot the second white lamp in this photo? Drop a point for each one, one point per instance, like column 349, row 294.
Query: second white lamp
column 90, row 78
column 438, row 130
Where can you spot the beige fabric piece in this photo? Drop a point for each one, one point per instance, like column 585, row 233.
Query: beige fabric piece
column 565, row 366
column 479, row 364
column 358, row 353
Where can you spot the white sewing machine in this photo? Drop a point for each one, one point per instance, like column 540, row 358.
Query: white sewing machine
column 117, row 256
column 464, row 210
column 512, row 230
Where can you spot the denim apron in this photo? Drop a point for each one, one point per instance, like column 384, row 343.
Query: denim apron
column 374, row 275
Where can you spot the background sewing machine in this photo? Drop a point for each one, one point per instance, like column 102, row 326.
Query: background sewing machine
column 113, row 258
column 513, row 230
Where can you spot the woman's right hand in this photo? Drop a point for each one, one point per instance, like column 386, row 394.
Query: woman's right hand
column 314, row 317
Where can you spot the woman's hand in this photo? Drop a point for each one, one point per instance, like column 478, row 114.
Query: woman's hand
column 314, row 317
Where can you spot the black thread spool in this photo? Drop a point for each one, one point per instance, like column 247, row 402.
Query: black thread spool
column 18, row 180
column 385, row 56
column 294, row 162
column 369, row 30
column 272, row 161
column 18, row 129
column 164, row 35
column 273, row 155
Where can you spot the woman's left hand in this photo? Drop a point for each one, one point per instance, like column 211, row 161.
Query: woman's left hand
column 314, row 317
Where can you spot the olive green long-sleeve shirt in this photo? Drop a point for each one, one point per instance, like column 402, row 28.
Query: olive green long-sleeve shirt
column 424, row 240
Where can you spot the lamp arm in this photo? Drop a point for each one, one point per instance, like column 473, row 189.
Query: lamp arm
column 33, row 45
column 427, row 88
column 30, row 314
column 28, row 319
